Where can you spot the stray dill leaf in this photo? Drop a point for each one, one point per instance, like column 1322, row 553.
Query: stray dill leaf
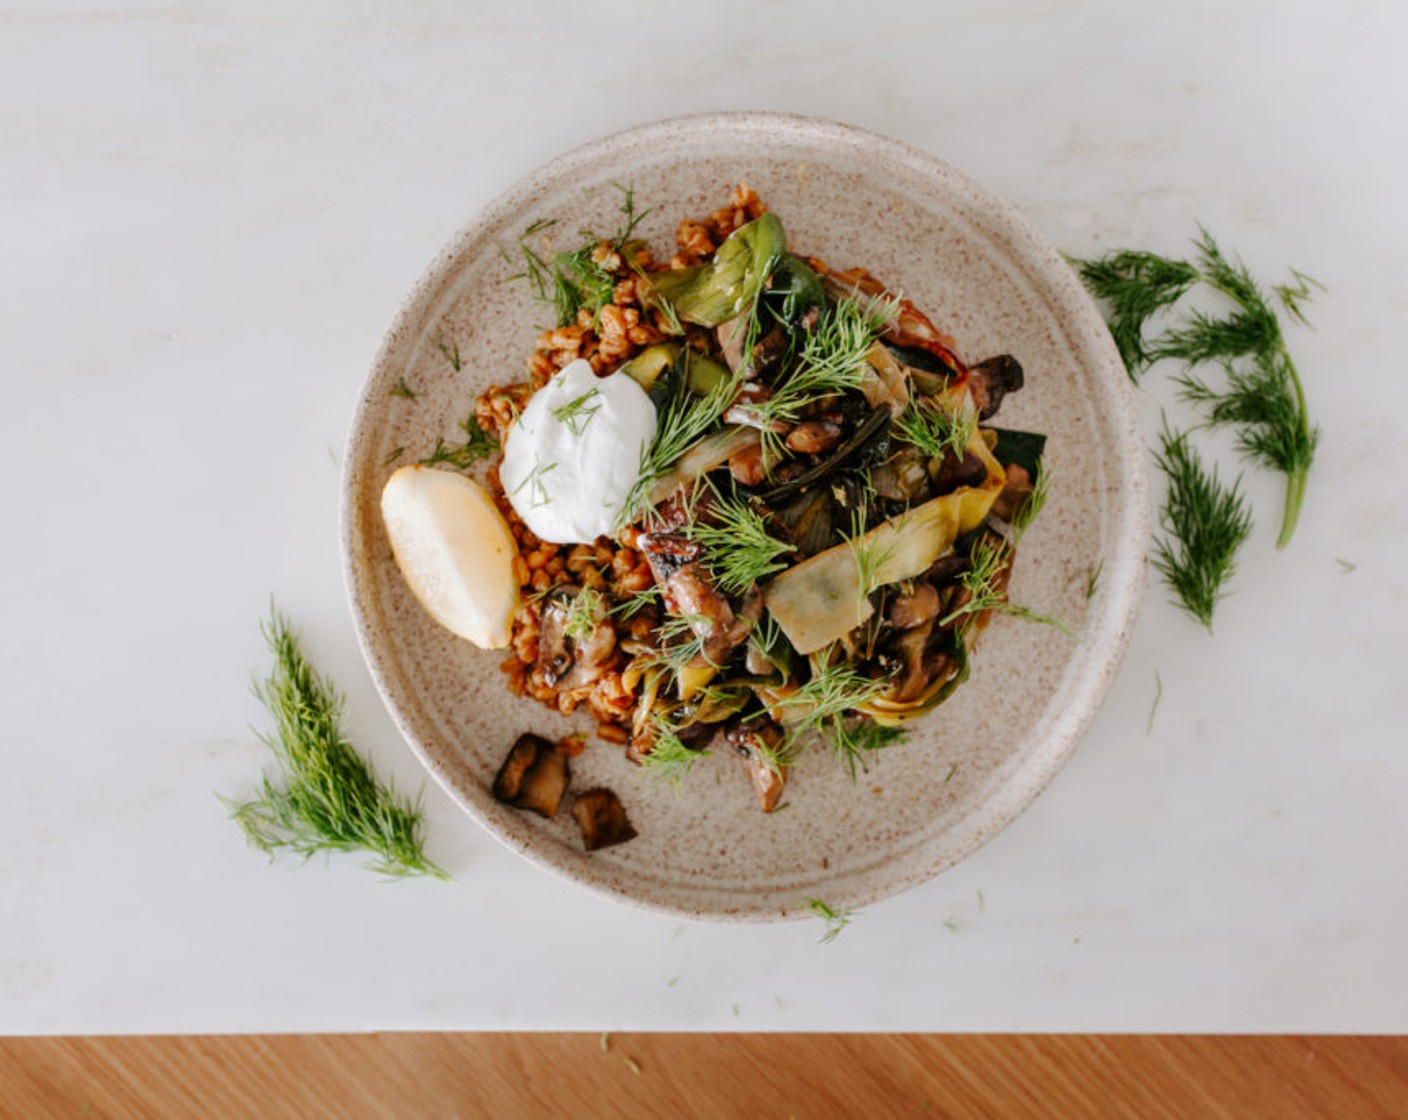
column 1092, row 580
column 668, row 757
column 329, row 799
column 477, row 444
column 392, row 455
column 1204, row 522
column 637, row 601
column 1294, row 296
column 870, row 557
column 577, row 413
column 835, row 920
column 403, row 389
column 1154, row 707
column 452, row 355
column 1034, row 502
column 1346, row 566
column 952, row 770
column 1136, row 285
column 574, row 280
column 826, row 706
column 537, row 488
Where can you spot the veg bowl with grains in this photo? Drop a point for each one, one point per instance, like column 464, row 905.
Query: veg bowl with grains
column 763, row 423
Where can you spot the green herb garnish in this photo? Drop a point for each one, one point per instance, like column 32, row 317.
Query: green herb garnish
column 329, row 799
column 870, row 556
column 935, row 430
column 1034, row 502
column 741, row 551
column 832, row 360
column 572, row 281
column 668, row 757
column 452, row 355
column 984, row 582
column 826, row 705
column 577, row 413
column 585, row 613
column 1204, row 525
column 537, row 490
column 1261, row 394
column 477, row 444
column 1136, row 285
column 835, row 920
column 404, row 390
column 684, row 419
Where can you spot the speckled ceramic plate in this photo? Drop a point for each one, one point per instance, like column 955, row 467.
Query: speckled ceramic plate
column 971, row 262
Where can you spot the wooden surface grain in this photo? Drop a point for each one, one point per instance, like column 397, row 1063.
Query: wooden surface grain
column 690, row 1075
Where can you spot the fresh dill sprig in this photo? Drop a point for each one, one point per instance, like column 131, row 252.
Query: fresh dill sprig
column 934, row 429
column 452, row 355
column 683, row 420
column 741, row 551
column 668, row 757
column 835, row 920
column 1092, row 579
column 637, row 601
column 986, row 586
column 679, row 640
column 1154, row 707
column 831, row 360
column 870, row 556
column 329, row 799
column 1263, row 396
column 537, row 489
column 586, row 611
column 404, row 390
column 1204, row 525
column 477, row 444
column 577, row 413
column 825, row 706
column 574, row 280
column 1034, row 502
column 1136, row 285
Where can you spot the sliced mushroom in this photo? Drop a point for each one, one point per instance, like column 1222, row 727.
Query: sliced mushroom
column 949, row 472
column 903, row 477
column 534, row 776
column 915, row 608
column 565, row 660
column 689, row 591
column 756, row 740
column 989, row 381
column 602, row 819
column 814, row 437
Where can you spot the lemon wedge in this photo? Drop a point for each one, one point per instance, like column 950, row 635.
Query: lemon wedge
column 455, row 551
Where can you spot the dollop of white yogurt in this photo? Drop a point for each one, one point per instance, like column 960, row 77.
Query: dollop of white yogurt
column 574, row 453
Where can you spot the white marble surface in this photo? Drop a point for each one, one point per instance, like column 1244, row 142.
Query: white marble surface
column 208, row 214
